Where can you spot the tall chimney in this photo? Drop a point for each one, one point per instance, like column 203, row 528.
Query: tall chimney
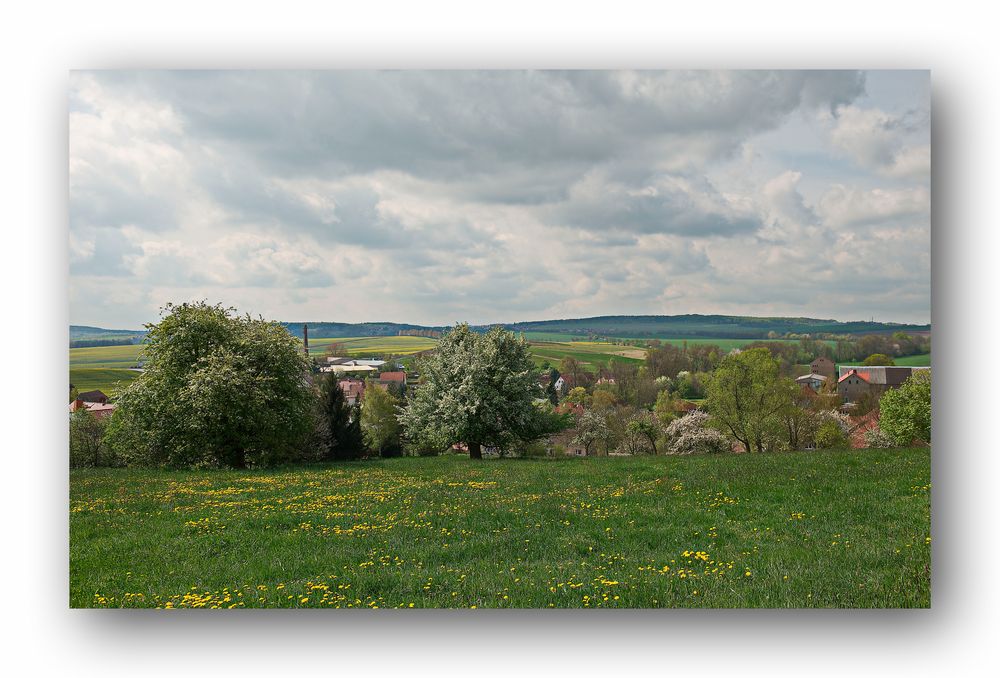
column 305, row 339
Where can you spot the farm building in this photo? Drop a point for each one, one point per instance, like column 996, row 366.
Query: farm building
column 99, row 410
column 813, row 380
column 349, row 368
column 386, row 378
column 856, row 381
column 354, row 390
column 97, row 396
column 823, row 365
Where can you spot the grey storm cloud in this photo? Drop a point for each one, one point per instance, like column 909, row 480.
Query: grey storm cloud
column 452, row 125
column 429, row 193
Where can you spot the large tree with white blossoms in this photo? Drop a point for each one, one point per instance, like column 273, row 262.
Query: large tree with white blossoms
column 478, row 389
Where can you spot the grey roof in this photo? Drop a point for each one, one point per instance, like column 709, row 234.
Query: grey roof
column 812, row 376
column 886, row 375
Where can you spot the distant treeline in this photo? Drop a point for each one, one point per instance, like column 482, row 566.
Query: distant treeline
column 711, row 326
column 89, row 343
column 355, row 329
column 621, row 326
column 433, row 334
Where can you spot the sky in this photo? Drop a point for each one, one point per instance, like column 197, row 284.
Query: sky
column 432, row 197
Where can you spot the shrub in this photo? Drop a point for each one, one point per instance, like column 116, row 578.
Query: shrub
column 535, row 448
column 691, row 434
column 830, row 435
column 86, row 441
column 877, row 438
column 905, row 412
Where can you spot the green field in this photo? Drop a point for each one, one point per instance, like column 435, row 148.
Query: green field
column 100, row 378
column 104, row 356
column 101, row 367
column 591, row 354
column 359, row 347
column 922, row 360
column 819, row 529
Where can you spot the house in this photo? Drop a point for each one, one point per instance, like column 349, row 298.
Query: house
column 813, row 380
column 856, row 381
column 386, row 378
column 824, row 366
column 353, row 389
column 560, row 385
column 99, row 410
column 853, row 385
column 94, row 397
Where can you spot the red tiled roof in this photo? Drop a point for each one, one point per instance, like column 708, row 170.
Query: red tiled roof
column 860, row 426
column 392, row 376
column 855, row 373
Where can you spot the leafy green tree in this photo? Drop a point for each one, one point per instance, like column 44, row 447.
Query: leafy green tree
column 905, row 412
column 643, row 426
column 571, row 366
column 877, row 359
column 218, row 389
column 603, row 399
column 379, row 422
column 747, row 397
column 664, row 408
column 578, row 396
column 831, row 436
column 338, row 423
column 86, row 440
column 478, row 389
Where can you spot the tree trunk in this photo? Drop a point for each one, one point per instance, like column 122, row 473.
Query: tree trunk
column 475, row 451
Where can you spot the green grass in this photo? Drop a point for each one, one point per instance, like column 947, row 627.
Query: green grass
column 922, row 360
column 820, row 529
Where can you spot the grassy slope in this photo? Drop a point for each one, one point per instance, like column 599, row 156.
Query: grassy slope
column 826, row 529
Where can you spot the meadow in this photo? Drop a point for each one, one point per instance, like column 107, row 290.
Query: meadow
column 820, row 529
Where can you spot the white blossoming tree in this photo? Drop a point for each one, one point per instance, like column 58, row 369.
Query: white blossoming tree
column 478, row 389
column 691, row 434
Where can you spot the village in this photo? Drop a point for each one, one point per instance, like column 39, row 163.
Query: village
column 852, row 391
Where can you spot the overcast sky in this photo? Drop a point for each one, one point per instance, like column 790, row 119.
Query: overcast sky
column 496, row 196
